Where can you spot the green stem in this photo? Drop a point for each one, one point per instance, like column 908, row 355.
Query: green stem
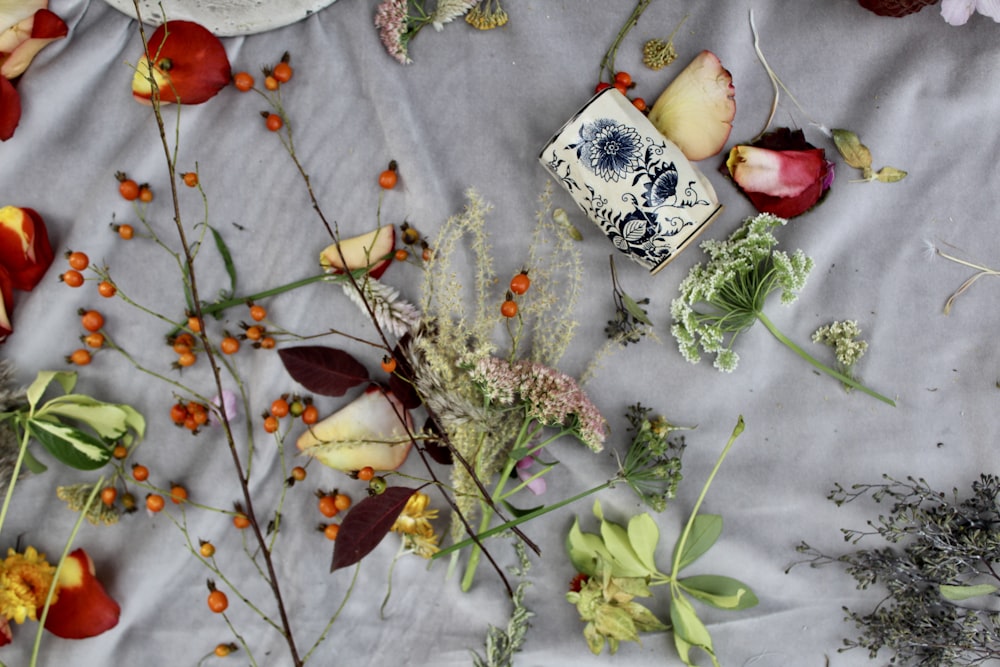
column 523, row 518
column 498, row 493
column 849, row 381
column 608, row 62
column 679, row 549
column 17, row 471
column 62, row 559
column 210, row 309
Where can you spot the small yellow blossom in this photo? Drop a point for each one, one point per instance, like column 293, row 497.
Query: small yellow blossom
column 25, row 580
column 414, row 525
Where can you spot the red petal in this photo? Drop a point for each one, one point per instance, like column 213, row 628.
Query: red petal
column 36, row 32
column 785, row 183
column 10, row 109
column 48, row 26
column 6, row 636
column 6, row 306
column 192, row 60
column 83, row 608
column 24, row 246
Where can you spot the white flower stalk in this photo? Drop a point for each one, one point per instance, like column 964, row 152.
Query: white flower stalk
column 392, row 313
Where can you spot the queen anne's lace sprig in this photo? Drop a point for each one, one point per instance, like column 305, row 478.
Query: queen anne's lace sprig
column 725, row 296
column 740, row 274
column 550, row 397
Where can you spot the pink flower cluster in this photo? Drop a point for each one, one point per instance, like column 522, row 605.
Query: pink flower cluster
column 551, row 398
column 390, row 19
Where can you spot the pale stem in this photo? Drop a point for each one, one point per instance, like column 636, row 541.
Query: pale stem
column 849, row 381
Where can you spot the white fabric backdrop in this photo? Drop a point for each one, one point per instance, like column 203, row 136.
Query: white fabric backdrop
column 472, row 111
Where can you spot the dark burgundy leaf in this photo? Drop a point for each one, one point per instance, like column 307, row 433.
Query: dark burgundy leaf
column 401, row 381
column 323, row 370
column 366, row 524
column 437, row 449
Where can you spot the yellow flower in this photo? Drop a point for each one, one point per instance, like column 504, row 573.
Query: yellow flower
column 24, row 584
column 415, row 526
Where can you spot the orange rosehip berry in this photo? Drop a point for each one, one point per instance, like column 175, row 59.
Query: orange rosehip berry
column 95, row 339
column 155, row 502
column 229, row 345
column 80, row 357
column 388, row 364
column 267, row 343
column 280, row 408
column 270, row 424
column 254, row 333
column 331, row 531
column 257, row 313
column 310, row 415
column 140, row 473
column 73, row 278
column 128, row 189
column 207, row 549
column 274, row 122
column 108, row 495
column 190, row 179
column 194, row 324
column 282, row 72
column 270, row 82
column 401, row 255
column 298, row 473
column 241, row 522
column 126, row 232
column 145, row 193
column 508, row 308
column 92, row 320
column 327, row 506
column 217, row 601
column 243, row 81
column 342, row 501
column 78, row 260
column 178, row 494
column 119, row 452
column 520, row 283
column 106, row 289
column 187, row 359
column 366, row 474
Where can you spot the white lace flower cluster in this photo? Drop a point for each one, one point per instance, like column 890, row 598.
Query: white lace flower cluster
column 732, row 287
column 843, row 337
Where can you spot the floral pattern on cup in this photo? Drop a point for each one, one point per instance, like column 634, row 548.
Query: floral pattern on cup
column 633, row 183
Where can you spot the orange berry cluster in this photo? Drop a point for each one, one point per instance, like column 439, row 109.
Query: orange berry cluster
column 273, row 78
column 519, row 285
column 189, row 414
column 623, row 83
column 285, row 405
column 330, row 504
column 412, row 238
column 131, row 191
column 92, row 321
column 185, row 345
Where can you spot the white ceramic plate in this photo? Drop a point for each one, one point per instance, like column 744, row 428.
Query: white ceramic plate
column 225, row 17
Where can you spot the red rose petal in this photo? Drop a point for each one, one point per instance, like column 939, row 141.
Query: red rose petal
column 189, row 60
column 25, row 250
column 10, row 109
column 42, row 28
column 6, row 308
column 83, row 608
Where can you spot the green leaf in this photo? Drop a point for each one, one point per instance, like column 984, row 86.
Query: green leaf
column 594, row 639
column 635, row 310
column 70, row 445
column 585, row 549
column 626, row 563
column 227, row 258
column 42, row 381
column 959, row 593
column 108, row 420
column 644, row 535
column 705, row 530
column 855, row 153
column 890, row 175
column 517, row 512
column 616, row 623
column 719, row 591
column 689, row 629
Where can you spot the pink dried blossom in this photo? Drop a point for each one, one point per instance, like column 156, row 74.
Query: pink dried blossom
column 538, row 485
column 391, row 21
column 551, row 398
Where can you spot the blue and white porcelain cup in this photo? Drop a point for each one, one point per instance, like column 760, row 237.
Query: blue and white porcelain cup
column 630, row 180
